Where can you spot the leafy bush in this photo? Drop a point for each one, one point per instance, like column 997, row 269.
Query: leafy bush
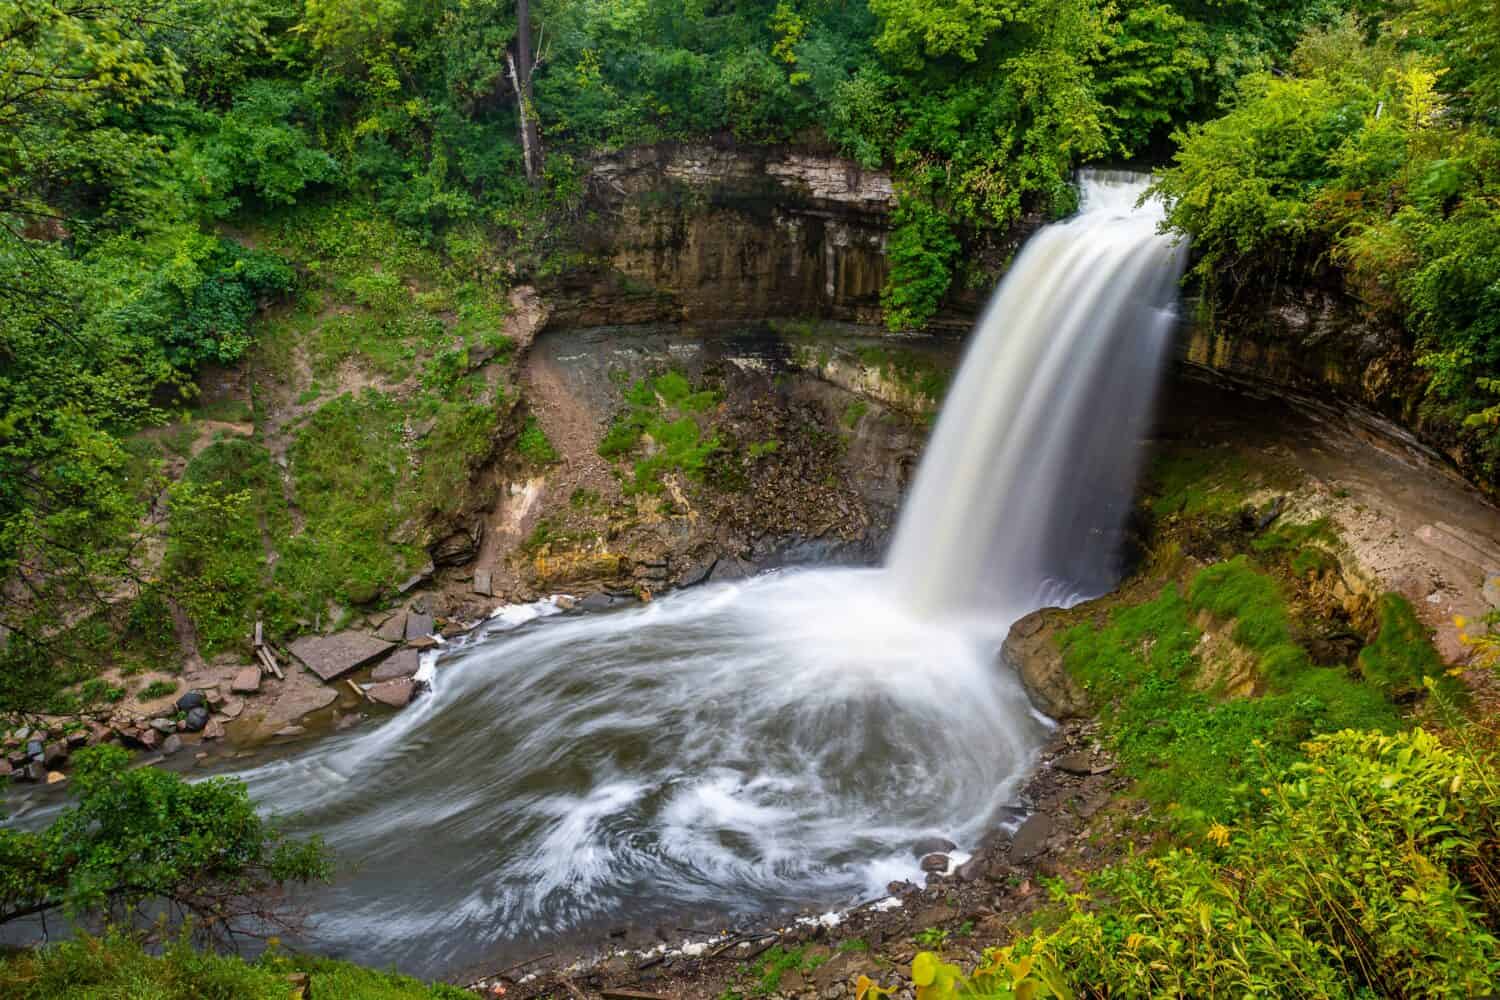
column 1371, row 872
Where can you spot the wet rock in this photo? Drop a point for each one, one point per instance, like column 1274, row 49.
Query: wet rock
column 171, row 744
column 402, row 663
column 419, row 625
column 191, row 700
column 902, row 888
column 333, row 656
column 247, row 681
column 566, row 602
column 56, row 754
column 396, row 694
column 348, row 721
column 232, row 707
column 423, row 642
column 997, row 840
column 163, row 726
column 933, row 845
column 35, row 771
column 596, row 602
column 1074, row 763
column 197, row 718
column 1031, row 650
column 149, row 739
column 935, row 863
column 1030, row 839
column 289, row 731
column 34, row 749
column 214, row 730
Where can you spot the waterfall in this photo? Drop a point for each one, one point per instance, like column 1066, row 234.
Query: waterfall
column 1022, row 494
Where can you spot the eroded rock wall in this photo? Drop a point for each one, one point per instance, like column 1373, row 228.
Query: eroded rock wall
column 705, row 233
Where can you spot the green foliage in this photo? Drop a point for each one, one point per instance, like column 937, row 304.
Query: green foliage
column 1401, row 656
column 158, row 689
column 1189, row 748
column 1370, row 872
column 663, row 420
column 116, row 965
column 146, row 834
column 921, row 252
column 534, row 445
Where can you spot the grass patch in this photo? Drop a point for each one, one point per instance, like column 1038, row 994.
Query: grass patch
column 116, row 966
column 534, row 445
column 158, row 689
column 1198, row 482
column 662, row 420
column 917, row 373
column 1197, row 756
column 854, row 412
column 1401, row 655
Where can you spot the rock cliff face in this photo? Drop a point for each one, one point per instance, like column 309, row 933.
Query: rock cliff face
column 703, row 233
column 706, row 233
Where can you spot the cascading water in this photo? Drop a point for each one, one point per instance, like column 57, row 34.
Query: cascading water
column 775, row 742
column 1026, row 482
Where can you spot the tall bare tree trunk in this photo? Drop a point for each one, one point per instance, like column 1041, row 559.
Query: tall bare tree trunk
column 521, row 66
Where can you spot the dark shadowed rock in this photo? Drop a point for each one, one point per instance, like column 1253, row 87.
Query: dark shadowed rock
column 933, row 845
column 333, row 656
column 418, row 625
column 1030, row 838
column 197, row 718
column 191, row 700
column 35, row 771
column 597, row 602
column 402, row 663
column 56, row 754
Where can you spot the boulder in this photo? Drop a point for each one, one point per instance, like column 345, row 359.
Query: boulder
column 1031, row 837
column 333, row 656
column 971, row 870
column 933, row 845
column 1074, row 763
column 396, row 694
column 163, row 726
column 171, row 744
column 402, row 663
column 56, row 754
column 1032, row 651
column 149, row 739
column 197, row 718
column 78, row 739
column 191, row 700
column 418, row 626
column 247, row 681
column 34, row 749
column 935, row 863
column 35, row 771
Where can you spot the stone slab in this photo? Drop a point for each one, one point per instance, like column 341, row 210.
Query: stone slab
column 418, row 626
column 396, row 694
column 402, row 663
column 333, row 656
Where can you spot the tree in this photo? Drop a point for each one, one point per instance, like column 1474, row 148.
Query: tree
column 145, row 836
column 522, row 65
